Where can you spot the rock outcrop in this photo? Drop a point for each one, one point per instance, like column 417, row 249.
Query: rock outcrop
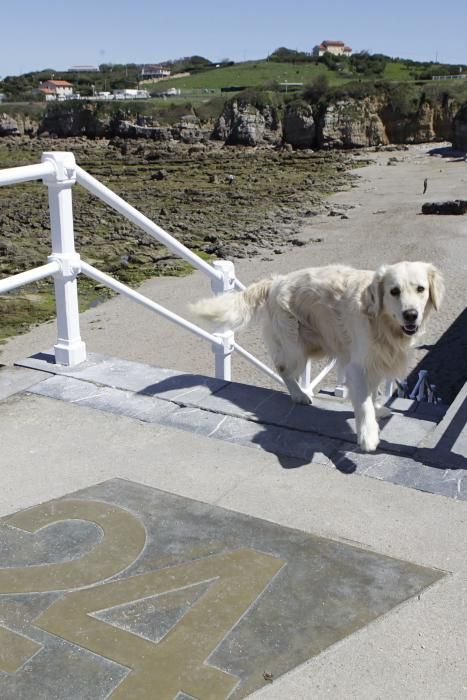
column 417, row 127
column 459, row 130
column 352, row 124
column 346, row 123
column 451, row 206
column 299, row 126
column 84, row 120
column 132, row 130
column 8, row 126
column 251, row 120
column 243, row 124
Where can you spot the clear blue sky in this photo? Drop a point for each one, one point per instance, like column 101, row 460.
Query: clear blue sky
column 36, row 35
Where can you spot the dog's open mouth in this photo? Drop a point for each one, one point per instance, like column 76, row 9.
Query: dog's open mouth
column 410, row 328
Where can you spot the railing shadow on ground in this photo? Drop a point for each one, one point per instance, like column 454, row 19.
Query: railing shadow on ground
column 337, row 444
column 427, row 456
column 272, row 406
column 446, row 361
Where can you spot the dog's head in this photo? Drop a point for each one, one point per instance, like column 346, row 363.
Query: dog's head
column 405, row 293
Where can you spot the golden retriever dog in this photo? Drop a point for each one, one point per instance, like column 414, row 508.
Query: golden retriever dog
column 367, row 320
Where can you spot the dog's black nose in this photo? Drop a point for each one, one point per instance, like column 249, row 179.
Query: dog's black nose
column 410, row 315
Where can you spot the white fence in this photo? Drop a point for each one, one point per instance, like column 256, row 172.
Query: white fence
column 59, row 172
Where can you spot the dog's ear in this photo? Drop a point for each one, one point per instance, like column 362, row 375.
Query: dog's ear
column 436, row 286
column 372, row 299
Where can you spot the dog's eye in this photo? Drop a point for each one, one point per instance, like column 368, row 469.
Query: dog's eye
column 395, row 291
column 420, row 289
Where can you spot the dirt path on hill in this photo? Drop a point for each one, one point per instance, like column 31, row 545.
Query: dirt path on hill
column 378, row 221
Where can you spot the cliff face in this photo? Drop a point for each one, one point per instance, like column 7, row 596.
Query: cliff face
column 459, row 129
column 429, row 123
column 76, row 121
column 17, row 125
column 352, row 124
column 345, row 123
column 244, row 124
column 299, row 126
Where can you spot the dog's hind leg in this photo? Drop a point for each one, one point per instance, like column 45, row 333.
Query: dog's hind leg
column 287, row 354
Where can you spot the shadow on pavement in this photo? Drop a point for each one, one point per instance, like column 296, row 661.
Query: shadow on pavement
column 446, row 361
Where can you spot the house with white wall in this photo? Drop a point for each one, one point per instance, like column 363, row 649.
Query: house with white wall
column 130, row 94
column 337, row 48
column 151, row 70
column 56, row 90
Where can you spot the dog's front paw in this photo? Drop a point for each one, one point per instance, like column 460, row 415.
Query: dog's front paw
column 368, row 438
column 301, row 398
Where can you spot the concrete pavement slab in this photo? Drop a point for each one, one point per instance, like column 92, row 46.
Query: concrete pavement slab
column 15, row 379
column 415, row 651
column 266, row 419
column 208, row 600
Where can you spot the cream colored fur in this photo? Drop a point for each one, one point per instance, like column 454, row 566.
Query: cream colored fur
column 357, row 316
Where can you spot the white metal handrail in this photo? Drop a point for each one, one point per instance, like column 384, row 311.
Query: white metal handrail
column 24, row 173
column 37, row 273
column 121, row 288
column 59, row 172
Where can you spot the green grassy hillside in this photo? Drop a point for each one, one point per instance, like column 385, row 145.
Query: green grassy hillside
column 250, row 74
column 283, row 65
column 268, row 73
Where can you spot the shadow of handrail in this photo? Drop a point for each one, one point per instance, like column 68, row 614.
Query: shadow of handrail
column 446, row 361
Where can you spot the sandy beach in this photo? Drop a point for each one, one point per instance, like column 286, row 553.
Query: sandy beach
column 381, row 222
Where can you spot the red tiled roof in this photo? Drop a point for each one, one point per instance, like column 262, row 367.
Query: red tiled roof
column 59, row 83
column 46, row 91
column 328, row 42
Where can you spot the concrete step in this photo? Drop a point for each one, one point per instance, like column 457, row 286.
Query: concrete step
column 448, row 441
column 16, row 379
column 257, row 417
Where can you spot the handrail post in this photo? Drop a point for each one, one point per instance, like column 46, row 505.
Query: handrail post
column 69, row 349
column 223, row 353
column 340, row 389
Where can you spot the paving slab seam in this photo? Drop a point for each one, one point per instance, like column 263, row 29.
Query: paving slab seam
column 337, row 453
column 265, row 419
column 247, row 418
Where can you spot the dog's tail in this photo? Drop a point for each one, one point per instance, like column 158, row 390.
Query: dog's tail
column 234, row 309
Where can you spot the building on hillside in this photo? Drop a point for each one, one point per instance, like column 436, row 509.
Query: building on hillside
column 130, row 94
column 56, row 90
column 83, row 69
column 154, row 71
column 337, row 48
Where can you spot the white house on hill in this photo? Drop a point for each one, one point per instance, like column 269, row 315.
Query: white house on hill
column 56, row 89
column 337, row 48
column 154, row 71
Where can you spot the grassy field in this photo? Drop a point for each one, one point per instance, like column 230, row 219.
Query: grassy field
column 250, row 74
column 264, row 73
